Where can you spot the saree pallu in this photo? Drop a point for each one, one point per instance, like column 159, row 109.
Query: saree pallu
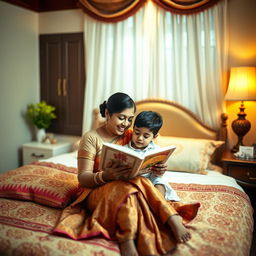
column 123, row 210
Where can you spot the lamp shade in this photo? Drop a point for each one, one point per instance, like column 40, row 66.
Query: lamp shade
column 242, row 84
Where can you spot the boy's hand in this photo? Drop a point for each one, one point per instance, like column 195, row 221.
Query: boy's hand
column 159, row 169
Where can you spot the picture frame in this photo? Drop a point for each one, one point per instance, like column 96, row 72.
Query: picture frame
column 254, row 150
column 246, row 152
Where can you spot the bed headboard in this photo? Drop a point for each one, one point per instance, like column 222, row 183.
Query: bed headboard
column 177, row 120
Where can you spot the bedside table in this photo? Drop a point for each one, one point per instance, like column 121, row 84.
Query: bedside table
column 244, row 171
column 35, row 151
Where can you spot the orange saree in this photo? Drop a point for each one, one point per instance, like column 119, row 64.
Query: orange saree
column 123, row 210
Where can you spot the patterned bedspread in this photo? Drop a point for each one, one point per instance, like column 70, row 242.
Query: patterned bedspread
column 223, row 226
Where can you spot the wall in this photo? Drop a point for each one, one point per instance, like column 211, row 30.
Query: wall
column 19, row 75
column 19, row 60
column 242, row 52
column 70, row 21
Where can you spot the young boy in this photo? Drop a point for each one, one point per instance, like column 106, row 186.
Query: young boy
column 146, row 127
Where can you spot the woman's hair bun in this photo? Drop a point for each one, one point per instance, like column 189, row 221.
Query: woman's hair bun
column 103, row 107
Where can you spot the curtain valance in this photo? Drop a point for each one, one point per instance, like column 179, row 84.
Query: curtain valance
column 185, row 6
column 111, row 10
column 117, row 10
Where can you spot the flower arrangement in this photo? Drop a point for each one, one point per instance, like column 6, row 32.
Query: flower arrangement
column 41, row 114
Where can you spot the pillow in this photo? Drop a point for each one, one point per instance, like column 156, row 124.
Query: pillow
column 49, row 184
column 191, row 155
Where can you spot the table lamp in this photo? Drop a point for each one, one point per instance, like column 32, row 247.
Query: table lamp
column 242, row 87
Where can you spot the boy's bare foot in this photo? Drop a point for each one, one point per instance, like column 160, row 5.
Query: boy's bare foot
column 179, row 230
column 128, row 248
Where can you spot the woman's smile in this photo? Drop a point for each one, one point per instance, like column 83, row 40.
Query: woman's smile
column 119, row 122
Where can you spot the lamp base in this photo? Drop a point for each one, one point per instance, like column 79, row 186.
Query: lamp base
column 240, row 127
column 238, row 144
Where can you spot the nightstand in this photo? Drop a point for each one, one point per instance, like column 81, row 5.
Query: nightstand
column 34, row 151
column 244, row 171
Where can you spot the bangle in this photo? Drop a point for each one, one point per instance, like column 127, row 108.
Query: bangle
column 95, row 178
column 101, row 178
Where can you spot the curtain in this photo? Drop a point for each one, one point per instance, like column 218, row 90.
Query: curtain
column 109, row 10
column 116, row 10
column 157, row 54
column 185, row 6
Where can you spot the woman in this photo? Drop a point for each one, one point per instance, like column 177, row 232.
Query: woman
column 115, row 205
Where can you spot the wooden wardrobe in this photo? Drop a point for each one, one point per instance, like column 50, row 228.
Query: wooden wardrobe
column 62, row 79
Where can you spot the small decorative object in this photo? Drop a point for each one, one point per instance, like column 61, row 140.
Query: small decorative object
column 254, row 150
column 245, row 152
column 41, row 115
column 40, row 134
column 49, row 139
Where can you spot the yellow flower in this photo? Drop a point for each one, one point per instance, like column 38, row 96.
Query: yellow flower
column 41, row 114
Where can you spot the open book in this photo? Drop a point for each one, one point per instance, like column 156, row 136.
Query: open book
column 123, row 156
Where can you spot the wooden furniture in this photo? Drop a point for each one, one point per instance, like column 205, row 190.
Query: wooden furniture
column 34, row 151
column 244, row 171
column 45, row 5
column 62, row 75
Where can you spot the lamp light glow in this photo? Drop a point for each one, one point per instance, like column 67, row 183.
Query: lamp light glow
column 242, row 87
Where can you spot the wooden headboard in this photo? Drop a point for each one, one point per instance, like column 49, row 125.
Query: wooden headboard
column 177, row 120
column 181, row 122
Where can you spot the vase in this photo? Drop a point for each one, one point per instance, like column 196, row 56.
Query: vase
column 40, row 134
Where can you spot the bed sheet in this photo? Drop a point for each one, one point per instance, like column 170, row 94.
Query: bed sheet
column 223, row 226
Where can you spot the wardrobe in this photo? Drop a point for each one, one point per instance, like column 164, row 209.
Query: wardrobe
column 62, row 80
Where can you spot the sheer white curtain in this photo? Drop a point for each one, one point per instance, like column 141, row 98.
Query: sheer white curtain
column 157, row 54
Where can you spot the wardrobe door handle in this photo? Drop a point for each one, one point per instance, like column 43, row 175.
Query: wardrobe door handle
column 59, row 87
column 65, row 87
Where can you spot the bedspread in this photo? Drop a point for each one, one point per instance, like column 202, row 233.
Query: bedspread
column 223, row 226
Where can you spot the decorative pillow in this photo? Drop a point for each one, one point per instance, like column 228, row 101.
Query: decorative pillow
column 191, row 155
column 49, row 184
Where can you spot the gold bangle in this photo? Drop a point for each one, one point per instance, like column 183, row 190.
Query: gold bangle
column 101, row 178
column 95, row 178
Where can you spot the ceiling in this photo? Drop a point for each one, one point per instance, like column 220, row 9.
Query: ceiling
column 45, row 5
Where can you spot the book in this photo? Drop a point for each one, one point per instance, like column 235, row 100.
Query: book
column 124, row 156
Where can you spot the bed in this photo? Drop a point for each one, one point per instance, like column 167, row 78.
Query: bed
column 33, row 196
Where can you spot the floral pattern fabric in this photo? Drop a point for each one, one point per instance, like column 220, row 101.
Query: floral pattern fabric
column 223, row 226
column 46, row 183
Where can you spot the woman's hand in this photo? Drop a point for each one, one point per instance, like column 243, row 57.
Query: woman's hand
column 159, row 169
column 117, row 172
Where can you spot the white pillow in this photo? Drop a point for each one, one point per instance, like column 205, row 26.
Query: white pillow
column 191, row 155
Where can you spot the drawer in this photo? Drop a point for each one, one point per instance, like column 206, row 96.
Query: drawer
column 32, row 154
column 243, row 173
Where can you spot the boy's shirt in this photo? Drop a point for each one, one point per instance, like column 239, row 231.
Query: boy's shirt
column 149, row 147
column 170, row 194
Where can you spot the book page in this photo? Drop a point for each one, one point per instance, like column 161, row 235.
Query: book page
column 121, row 157
column 156, row 158
column 111, row 156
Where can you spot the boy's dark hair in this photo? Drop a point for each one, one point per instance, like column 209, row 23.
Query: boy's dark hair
column 149, row 119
